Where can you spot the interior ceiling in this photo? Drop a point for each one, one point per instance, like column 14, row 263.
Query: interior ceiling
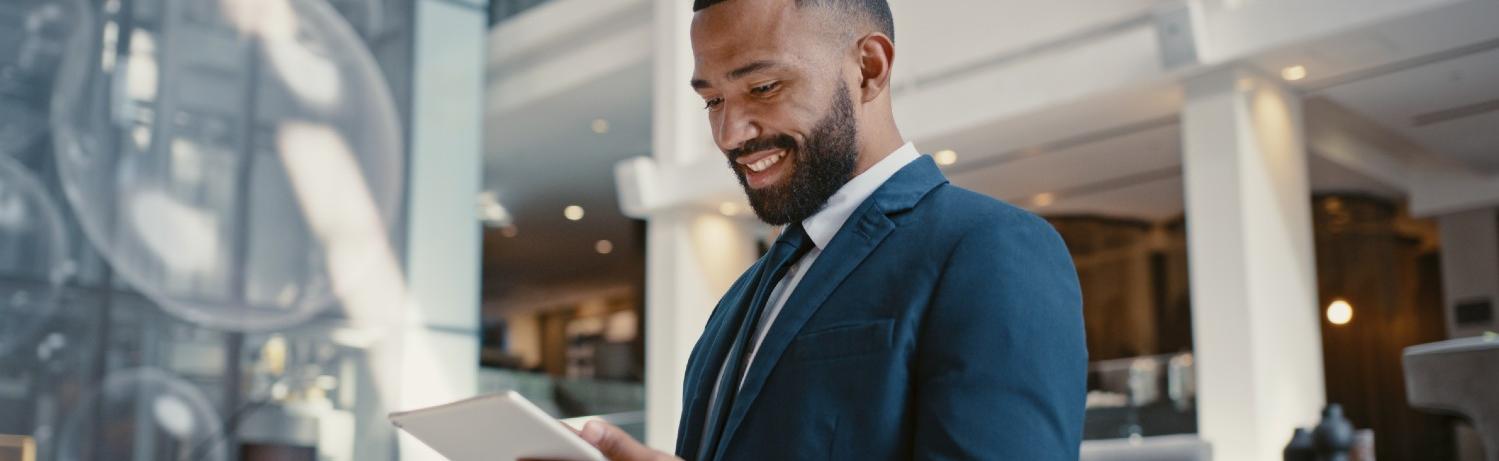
column 1133, row 173
column 1449, row 107
column 1432, row 79
column 991, row 27
column 545, row 157
column 1126, row 162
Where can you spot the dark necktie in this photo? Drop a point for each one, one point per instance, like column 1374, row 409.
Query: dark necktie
column 791, row 246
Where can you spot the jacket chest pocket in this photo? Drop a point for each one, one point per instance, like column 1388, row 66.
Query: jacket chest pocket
column 842, row 341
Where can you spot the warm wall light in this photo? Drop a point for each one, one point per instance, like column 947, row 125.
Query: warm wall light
column 729, row 209
column 573, row 212
column 1339, row 312
column 603, row 247
column 600, row 126
column 945, row 157
column 509, row 231
column 1293, row 73
column 1044, row 199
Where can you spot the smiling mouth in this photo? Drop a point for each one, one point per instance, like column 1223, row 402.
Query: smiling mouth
column 765, row 163
column 763, row 169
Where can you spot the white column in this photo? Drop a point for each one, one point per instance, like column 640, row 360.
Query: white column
column 1254, row 313
column 692, row 253
column 439, row 335
column 1470, row 264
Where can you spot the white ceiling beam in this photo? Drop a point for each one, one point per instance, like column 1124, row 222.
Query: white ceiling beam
column 523, row 86
column 557, row 22
column 647, row 187
column 1348, row 140
column 1233, row 30
column 1445, row 189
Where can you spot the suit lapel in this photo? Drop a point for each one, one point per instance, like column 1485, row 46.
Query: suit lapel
column 848, row 248
column 706, row 361
column 866, row 228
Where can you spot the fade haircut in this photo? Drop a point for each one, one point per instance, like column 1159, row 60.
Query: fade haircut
column 877, row 12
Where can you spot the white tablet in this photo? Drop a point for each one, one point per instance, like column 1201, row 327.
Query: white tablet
column 494, row 427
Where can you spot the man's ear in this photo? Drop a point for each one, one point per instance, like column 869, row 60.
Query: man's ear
column 876, row 57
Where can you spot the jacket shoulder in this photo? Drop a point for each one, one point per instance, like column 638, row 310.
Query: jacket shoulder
column 957, row 210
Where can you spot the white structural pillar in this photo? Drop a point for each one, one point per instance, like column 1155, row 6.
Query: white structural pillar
column 692, row 252
column 1470, row 275
column 1470, row 266
column 438, row 335
column 1254, row 313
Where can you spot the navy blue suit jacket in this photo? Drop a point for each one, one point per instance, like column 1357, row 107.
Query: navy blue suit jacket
column 938, row 323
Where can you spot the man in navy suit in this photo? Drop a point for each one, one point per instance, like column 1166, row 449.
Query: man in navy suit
column 897, row 316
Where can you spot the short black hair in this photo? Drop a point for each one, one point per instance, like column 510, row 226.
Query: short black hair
column 877, row 11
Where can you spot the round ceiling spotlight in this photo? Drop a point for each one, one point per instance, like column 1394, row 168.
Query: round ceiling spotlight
column 946, row 157
column 729, row 209
column 1293, row 73
column 573, row 213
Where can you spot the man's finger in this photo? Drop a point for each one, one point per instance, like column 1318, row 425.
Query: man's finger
column 615, row 443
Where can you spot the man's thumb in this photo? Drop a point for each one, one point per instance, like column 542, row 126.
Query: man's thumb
column 614, row 442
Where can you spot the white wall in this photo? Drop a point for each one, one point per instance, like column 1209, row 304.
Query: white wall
column 1470, row 264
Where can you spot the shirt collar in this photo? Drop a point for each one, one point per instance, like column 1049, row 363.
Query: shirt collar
column 824, row 224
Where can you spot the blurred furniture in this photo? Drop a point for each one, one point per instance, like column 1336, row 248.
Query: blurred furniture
column 1141, row 396
column 1459, row 377
column 293, row 431
column 17, row 448
column 265, row 452
column 1183, row 447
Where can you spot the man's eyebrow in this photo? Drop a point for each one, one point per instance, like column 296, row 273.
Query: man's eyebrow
column 750, row 68
column 736, row 74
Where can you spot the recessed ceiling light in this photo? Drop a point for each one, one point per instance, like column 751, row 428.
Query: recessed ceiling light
column 573, row 212
column 945, row 157
column 1245, row 84
column 600, row 126
column 729, row 209
column 491, row 212
column 603, row 247
column 1293, row 73
column 1044, row 199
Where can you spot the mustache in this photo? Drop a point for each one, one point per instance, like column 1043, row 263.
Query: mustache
column 782, row 141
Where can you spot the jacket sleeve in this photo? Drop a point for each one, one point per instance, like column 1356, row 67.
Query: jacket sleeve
column 1001, row 368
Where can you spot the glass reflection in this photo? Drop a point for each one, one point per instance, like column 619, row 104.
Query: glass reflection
column 35, row 265
column 180, row 168
column 143, row 413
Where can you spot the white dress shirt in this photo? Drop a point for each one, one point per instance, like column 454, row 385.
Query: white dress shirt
column 821, row 227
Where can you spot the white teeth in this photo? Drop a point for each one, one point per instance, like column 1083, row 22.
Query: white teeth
column 766, row 162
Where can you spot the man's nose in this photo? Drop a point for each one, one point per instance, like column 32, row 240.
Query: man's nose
column 735, row 127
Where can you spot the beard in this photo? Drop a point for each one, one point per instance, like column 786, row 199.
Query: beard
column 819, row 168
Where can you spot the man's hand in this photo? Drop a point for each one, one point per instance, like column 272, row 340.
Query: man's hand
column 616, row 445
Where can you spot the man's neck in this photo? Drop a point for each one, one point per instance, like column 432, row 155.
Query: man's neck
column 875, row 148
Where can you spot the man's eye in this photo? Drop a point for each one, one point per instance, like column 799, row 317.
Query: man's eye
column 766, row 88
column 712, row 103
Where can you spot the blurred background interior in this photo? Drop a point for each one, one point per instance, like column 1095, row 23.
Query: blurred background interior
column 248, row 229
